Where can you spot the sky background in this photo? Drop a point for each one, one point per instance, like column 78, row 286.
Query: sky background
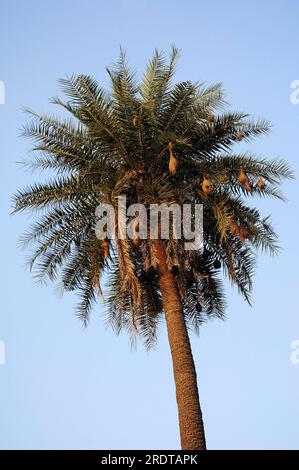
column 63, row 387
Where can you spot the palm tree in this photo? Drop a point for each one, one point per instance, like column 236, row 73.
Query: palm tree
column 156, row 142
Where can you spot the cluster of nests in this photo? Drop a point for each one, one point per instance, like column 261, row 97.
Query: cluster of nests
column 207, row 185
column 242, row 232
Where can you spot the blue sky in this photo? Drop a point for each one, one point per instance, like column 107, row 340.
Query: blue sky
column 63, row 387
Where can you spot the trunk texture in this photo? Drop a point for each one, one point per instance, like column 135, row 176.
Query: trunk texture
column 190, row 416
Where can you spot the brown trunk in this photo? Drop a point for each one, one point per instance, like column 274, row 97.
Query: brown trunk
column 190, row 417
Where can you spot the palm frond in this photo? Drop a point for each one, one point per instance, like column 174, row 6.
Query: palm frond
column 118, row 143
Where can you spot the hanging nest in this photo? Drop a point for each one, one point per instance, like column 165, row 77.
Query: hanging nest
column 207, row 253
column 105, row 248
column 135, row 120
column 234, row 228
column 207, row 186
column 173, row 163
column 244, row 179
column 136, row 241
column 243, row 234
column 240, row 136
column 217, row 264
column 261, row 183
column 211, row 118
column 175, row 269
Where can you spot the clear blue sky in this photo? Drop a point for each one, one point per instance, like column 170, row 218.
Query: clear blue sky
column 65, row 387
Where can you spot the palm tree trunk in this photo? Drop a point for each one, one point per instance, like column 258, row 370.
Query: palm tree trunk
column 190, row 416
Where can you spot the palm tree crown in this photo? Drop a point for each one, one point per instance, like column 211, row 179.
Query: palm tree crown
column 155, row 142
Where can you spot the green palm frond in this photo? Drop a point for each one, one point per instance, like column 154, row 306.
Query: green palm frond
column 118, row 142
